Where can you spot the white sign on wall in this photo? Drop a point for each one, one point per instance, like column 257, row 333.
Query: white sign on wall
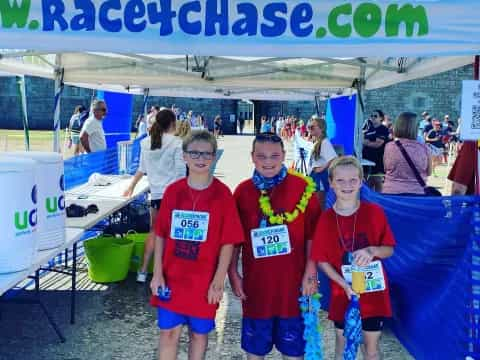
column 470, row 125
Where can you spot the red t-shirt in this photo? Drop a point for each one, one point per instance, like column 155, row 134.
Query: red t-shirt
column 466, row 167
column 189, row 267
column 272, row 285
column 371, row 229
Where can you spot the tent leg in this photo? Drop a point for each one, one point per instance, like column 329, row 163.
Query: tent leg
column 476, row 68
column 23, row 101
column 56, row 108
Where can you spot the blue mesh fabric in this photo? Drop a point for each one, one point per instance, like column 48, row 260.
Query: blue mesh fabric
column 434, row 273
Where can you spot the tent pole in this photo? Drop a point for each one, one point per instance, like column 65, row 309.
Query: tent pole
column 476, row 68
column 59, row 85
column 146, row 93
column 359, row 112
column 23, row 101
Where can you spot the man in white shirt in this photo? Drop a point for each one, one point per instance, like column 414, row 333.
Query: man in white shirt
column 92, row 135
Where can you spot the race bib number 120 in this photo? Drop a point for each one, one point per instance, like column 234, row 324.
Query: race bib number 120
column 270, row 241
column 189, row 225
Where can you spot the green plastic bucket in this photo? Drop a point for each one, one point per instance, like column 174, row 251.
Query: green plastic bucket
column 137, row 255
column 108, row 258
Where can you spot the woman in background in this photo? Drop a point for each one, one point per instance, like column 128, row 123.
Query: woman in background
column 322, row 155
column 161, row 158
column 399, row 177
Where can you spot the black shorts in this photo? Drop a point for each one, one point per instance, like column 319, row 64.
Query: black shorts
column 155, row 204
column 368, row 324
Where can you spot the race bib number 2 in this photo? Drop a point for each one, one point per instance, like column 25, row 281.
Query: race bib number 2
column 270, row 241
column 374, row 279
column 189, row 225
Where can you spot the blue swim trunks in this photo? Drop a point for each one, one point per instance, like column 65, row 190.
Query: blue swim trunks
column 168, row 320
column 259, row 336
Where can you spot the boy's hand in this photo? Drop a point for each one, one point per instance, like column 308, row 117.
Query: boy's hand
column 363, row 257
column 215, row 291
column 349, row 292
column 157, row 281
column 309, row 284
column 236, row 282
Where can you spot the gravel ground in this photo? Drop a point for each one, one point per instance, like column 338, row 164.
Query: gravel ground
column 115, row 322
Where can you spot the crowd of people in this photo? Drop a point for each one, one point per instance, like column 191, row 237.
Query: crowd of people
column 85, row 131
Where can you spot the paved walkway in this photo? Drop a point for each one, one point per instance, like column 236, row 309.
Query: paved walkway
column 115, row 322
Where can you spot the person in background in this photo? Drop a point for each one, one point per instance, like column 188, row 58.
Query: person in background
column 75, row 125
column 446, row 120
column 241, row 124
column 423, row 123
column 387, row 122
column 353, row 232
column 399, row 177
column 196, row 230
column 280, row 126
column 434, row 141
column 162, row 159
column 448, row 139
column 465, row 171
column 141, row 126
column 183, row 129
column 266, row 126
column 322, row 155
column 217, row 126
column 375, row 138
column 428, row 127
column 92, row 136
column 152, row 114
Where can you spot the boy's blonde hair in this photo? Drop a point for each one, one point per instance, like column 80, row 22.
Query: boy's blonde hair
column 200, row 135
column 345, row 161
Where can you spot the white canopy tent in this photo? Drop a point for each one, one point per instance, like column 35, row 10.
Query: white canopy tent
column 302, row 51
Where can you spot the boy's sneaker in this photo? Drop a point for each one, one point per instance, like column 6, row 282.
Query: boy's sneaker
column 141, row 277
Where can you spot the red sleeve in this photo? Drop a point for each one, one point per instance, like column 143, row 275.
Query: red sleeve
column 232, row 230
column 312, row 213
column 463, row 169
column 386, row 234
column 162, row 222
column 320, row 244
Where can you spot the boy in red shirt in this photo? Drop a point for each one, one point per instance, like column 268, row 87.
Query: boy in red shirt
column 354, row 232
column 196, row 230
column 278, row 211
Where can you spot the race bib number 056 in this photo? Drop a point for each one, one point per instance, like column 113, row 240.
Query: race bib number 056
column 189, row 225
column 374, row 279
column 270, row 241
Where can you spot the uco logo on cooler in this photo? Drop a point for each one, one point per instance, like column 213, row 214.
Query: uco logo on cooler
column 53, row 204
column 26, row 218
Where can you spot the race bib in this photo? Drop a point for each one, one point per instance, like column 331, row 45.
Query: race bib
column 374, row 279
column 270, row 241
column 189, row 225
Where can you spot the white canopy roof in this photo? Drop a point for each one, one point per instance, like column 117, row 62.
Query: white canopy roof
column 267, row 78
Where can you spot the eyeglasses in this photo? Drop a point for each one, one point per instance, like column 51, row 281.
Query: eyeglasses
column 268, row 137
column 374, row 116
column 206, row 155
column 102, row 109
column 311, row 127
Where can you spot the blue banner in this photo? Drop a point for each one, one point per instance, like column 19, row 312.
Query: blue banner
column 241, row 27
